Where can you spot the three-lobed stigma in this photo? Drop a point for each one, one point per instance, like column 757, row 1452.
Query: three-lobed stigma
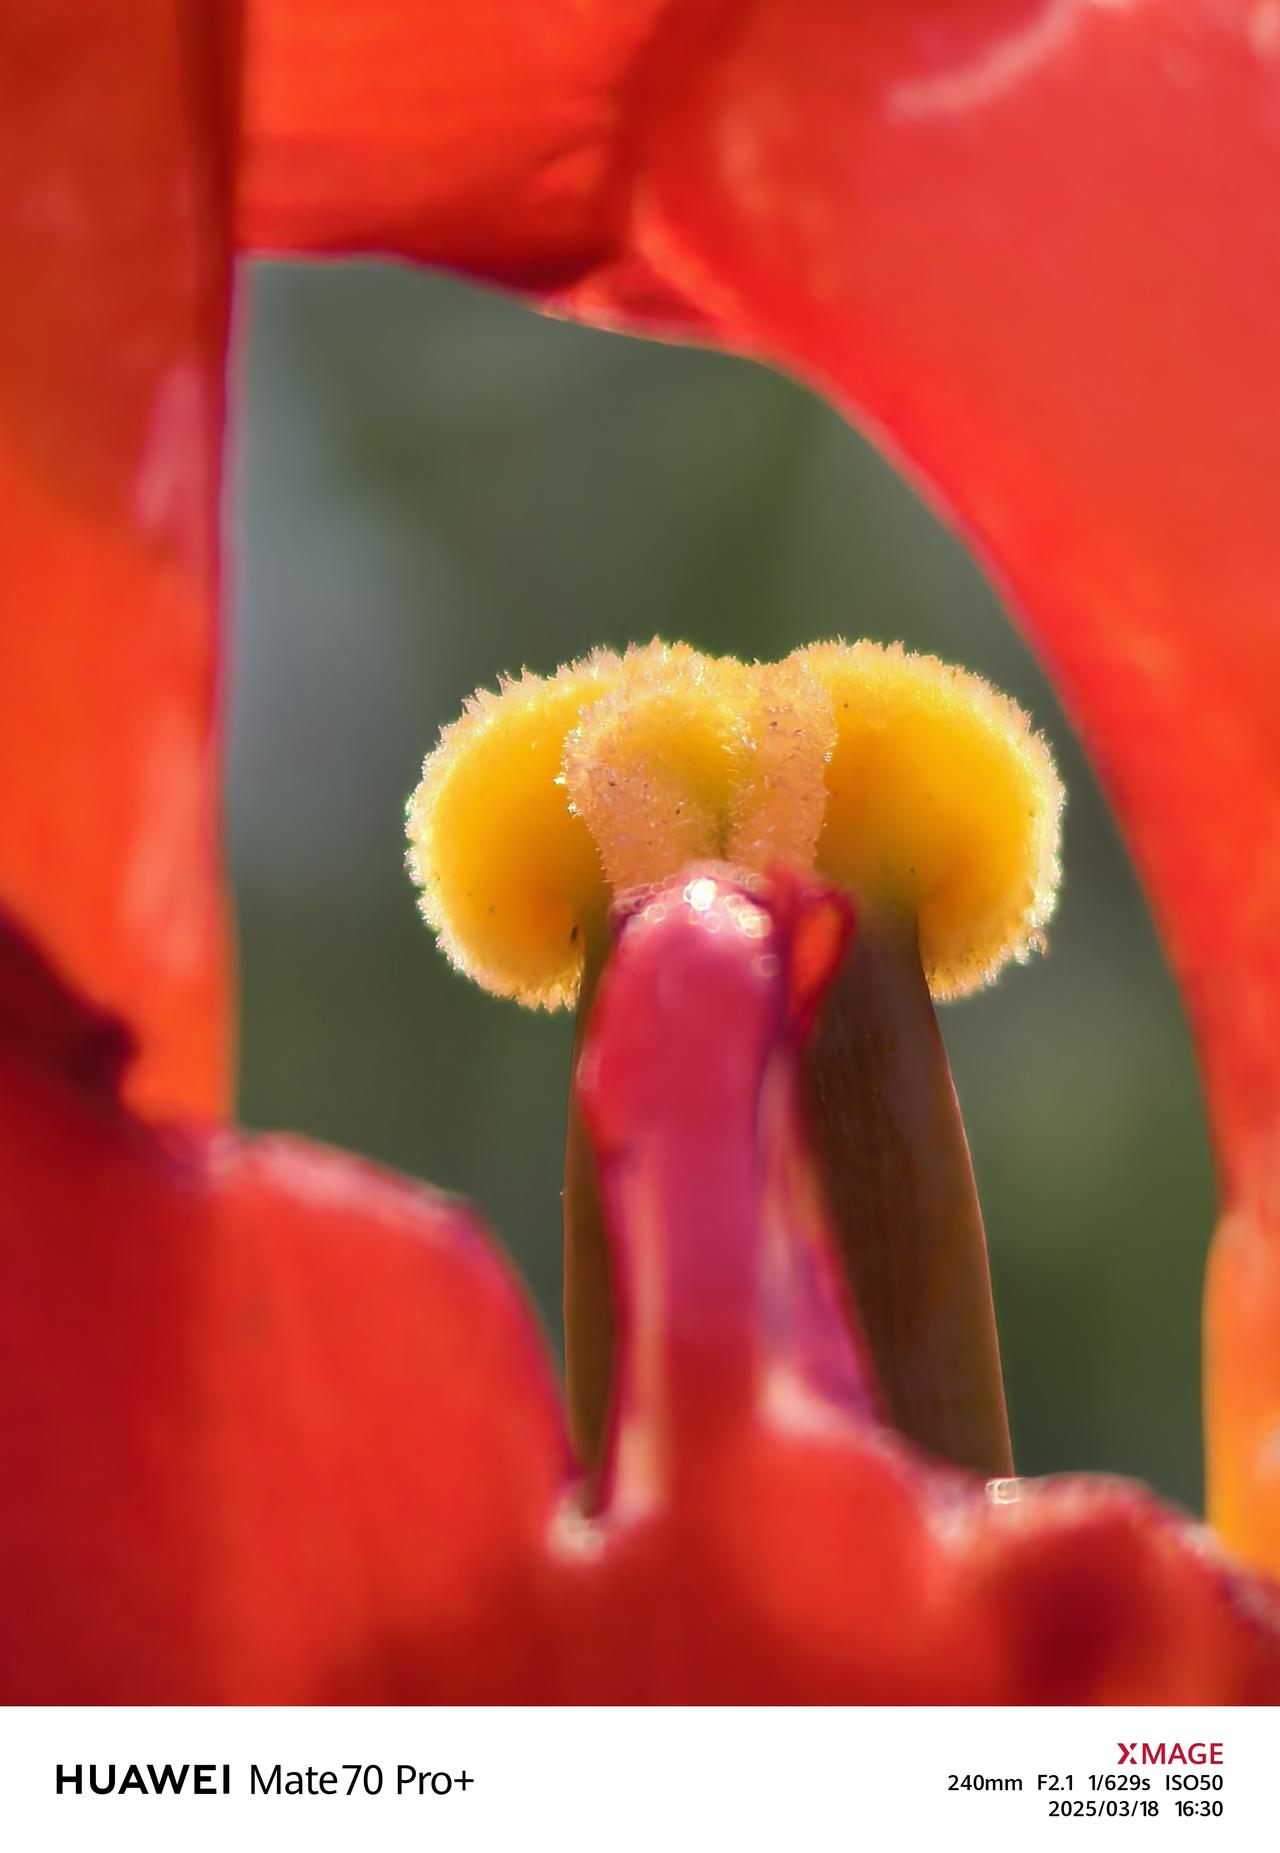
column 912, row 784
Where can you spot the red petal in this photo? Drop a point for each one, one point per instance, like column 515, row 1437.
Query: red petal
column 113, row 166
column 1092, row 1593
column 489, row 136
column 273, row 1426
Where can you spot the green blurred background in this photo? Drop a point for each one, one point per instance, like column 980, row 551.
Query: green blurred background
column 435, row 486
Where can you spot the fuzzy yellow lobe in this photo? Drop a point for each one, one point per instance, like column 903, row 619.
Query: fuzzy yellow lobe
column 651, row 768
column 510, row 877
column 910, row 783
column 942, row 803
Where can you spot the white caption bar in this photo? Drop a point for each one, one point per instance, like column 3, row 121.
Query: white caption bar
column 616, row 1780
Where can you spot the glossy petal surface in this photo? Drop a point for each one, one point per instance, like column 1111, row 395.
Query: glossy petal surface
column 273, row 1425
column 498, row 138
column 115, row 141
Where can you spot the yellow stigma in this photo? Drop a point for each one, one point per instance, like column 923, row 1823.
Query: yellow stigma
column 914, row 785
column 942, row 804
column 651, row 767
column 689, row 757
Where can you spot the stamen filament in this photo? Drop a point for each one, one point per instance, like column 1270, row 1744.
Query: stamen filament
column 590, row 1324
column 894, row 1163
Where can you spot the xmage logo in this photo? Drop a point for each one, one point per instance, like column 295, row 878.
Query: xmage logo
column 1170, row 1754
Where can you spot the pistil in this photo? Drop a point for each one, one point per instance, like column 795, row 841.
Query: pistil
column 590, row 1323
column 894, row 1167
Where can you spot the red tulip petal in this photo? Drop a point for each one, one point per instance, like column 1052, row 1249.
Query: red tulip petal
column 273, row 1426
column 114, row 136
column 494, row 137
column 1094, row 1593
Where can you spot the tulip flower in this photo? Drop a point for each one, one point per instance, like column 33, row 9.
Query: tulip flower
column 278, row 1427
